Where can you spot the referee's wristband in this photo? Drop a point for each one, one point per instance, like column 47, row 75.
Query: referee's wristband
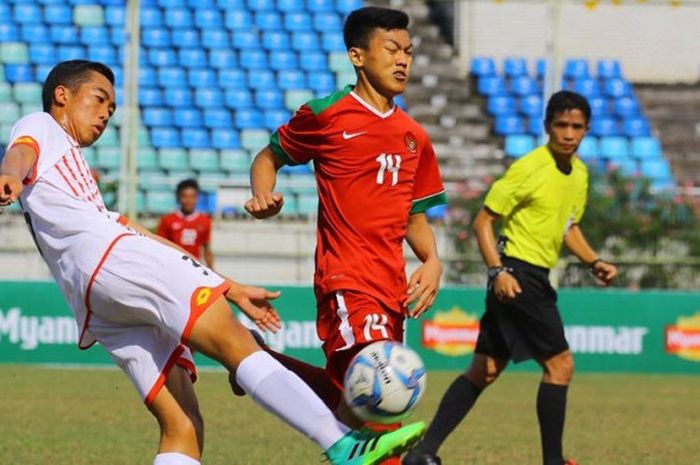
column 591, row 265
column 496, row 270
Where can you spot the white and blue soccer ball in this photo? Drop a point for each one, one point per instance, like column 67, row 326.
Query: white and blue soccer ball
column 384, row 382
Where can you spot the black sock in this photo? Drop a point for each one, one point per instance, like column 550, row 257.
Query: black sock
column 551, row 411
column 454, row 406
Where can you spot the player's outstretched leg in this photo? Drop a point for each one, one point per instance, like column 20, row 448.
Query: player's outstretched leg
column 454, row 406
column 551, row 405
column 217, row 334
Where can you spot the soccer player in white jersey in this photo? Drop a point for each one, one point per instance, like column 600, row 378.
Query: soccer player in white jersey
column 144, row 300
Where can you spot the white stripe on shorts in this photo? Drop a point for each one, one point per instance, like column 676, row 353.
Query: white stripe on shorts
column 345, row 328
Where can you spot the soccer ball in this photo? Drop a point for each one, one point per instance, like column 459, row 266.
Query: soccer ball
column 384, row 382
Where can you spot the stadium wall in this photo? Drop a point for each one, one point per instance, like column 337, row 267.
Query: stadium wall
column 653, row 40
column 609, row 331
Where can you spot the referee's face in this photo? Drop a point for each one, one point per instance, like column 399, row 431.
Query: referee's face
column 566, row 131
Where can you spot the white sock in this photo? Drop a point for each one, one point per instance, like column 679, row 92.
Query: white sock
column 174, row 458
column 284, row 394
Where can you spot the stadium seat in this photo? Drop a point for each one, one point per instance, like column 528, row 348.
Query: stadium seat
column 491, row 85
column 535, row 126
column 261, row 5
column 626, row 107
column 656, row 170
column 42, row 54
column 146, row 159
column 6, row 92
column 109, row 138
column 290, row 6
column 5, row 14
column 88, row 15
column 156, row 37
column 531, row 106
column 518, row 145
column 636, row 127
column 269, row 99
column 268, row 21
column 274, row 40
column 248, row 119
column 191, row 58
column 614, row 147
column 27, row 13
column 217, row 118
column 296, row 22
column 114, row 16
column 646, row 148
column 332, row 42
column 588, row 148
column 103, row 54
column 173, row 159
column 14, row 53
column 8, row 33
column 9, row 113
column 576, row 68
column 617, row 88
column 220, row 58
column 272, row 119
column 308, row 205
column 245, row 40
column 587, row 87
column 207, row 18
column 64, row 34
column 187, row 118
column 327, row 22
column 215, row 39
column 304, row 41
column 599, row 106
column 19, row 73
column 157, row 116
column 208, row 98
column 609, row 69
column 118, row 36
column 627, row 166
column 283, row 60
column 321, row 81
column 94, row 35
column 524, row 85
column 483, row 66
column 320, row 6
column 204, row 160
column 313, row 61
column 41, row 72
column 35, row 34
column 261, row 79
column 509, row 125
column 225, row 138
column 515, row 67
column 291, row 79
column 253, row 59
column 150, row 17
column 235, row 161
column 150, row 97
column 171, row 76
column 293, row 99
column 501, row 105
column 603, row 127
column 346, row 6
column 159, row 202
column 254, row 140
column 178, row 18
column 27, row 92
column 71, row 52
column 109, row 158
column 238, row 98
column 185, row 38
column 238, row 20
column 338, row 61
column 230, row 4
column 178, row 97
column 162, row 57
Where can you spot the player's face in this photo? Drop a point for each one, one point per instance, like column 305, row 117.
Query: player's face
column 188, row 200
column 387, row 60
column 566, row 131
column 89, row 108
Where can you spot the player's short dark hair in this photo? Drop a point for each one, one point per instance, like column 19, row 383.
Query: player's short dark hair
column 71, row 74
column 361, row 23
column 565, row 100
column 186, row 184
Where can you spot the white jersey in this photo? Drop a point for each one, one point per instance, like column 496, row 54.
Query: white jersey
column 65, row 211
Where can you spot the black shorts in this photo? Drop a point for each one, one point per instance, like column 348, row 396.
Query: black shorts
column 528, row 327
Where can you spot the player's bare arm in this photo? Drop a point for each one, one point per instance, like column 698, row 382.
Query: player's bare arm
column 16, row 164
column 208, row 255
column 577, row 244
column 263, row 176
column 505, row 286
column 425, row 280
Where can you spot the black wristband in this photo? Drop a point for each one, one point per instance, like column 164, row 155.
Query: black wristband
column 496, row 270
column 591, row 265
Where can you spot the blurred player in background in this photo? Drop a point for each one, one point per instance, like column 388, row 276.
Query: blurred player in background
column 541, row 200
column 187, row 227
column 143, row 299
column 377, row 174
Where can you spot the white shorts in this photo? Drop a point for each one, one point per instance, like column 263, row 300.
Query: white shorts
column 143, row 303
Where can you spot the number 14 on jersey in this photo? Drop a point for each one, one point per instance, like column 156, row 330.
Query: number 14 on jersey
column 390, row 163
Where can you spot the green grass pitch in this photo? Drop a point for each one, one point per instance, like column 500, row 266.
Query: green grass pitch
column 80, row 417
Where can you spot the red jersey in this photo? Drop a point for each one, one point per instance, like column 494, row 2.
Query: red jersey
column 373, row 170
column 190, row 232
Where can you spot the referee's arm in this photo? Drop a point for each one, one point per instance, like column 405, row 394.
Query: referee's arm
column 577, row 244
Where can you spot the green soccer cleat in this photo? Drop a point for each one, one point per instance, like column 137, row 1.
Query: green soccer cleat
column 368, row 448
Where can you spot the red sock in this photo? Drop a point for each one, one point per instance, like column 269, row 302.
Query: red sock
column 382, row 428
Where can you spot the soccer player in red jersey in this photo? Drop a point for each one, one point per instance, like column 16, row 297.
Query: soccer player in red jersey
column 187, row 227
column 377, row 174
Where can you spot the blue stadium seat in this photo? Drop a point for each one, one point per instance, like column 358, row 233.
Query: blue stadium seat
column 626, row 107
column 118, row 36
column 321, row 81
column 273, row 40
column 617, row 88
column 42, row 54
column 225, row 139
column 576, row 68
column 245, row 40
column 268, row 20
column 231, row 78
column 304, row 41
column 103, row 54
column 346, row 6
column 208, row 18
column 524, row 85
column 42, row 71
column 531, row 105
column 217, row 118
column 60, row 14
column 313, row 61
column 215, row 38
column 195, row 138
column 483, row 66
column 627, row 166
column 220, row 58
column 535, row 126
column 587, row 87
column 202, row 77
column 491, row 85
column 603, row 127
column 599, row 106
column 231, row 4
column 248, row 119
column 290, row 6
column 515, row 67
column 283, row 60
column 35, row 34
column 71, row 52
column 192, row 58
column 609, row 69
column 178, row 18
column 291, row 79
column 19, row 73
column 320, row 6
column 646, row 148
column 269, row 99
column 162, row 57
column 5, row 14
column 333, row 42
column 157, row 116
column 27, row 13
column 165, row 137
column 185, row 38
column 171, row 76
column 156, row 37
column 636, row 127
column 114, row 15
column 261, row 79
column 238, row 20
column 273, row 119
column 261, row 5
column 509, row 125
column 187, row 118
column 588, row 148
column 657, row 169
column 327, row 22
column 165, row 4
column 614, row 147
column 8, row 33
column 178, row 97
column 518, row 145
column 298, row 22
column 150, row 96
column 150, row 16
column 238, row 98
column 253, row 59
column 64, row 34
column 501, row 105
column 208, row 98
column 94, row 35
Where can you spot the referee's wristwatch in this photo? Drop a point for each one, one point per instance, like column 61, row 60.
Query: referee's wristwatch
column 496, row 270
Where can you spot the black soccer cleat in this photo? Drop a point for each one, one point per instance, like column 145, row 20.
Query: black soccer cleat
column 415, row 457
column 235, row 387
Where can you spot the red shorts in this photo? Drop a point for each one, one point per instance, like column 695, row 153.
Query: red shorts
column 349, row 320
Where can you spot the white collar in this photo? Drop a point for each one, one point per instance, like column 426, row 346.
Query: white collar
column 371, row 108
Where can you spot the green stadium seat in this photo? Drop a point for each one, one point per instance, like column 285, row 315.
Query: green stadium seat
column 209, row 182
column 109, row 158
column 116, row 119
column 5, row 92
column 308, row 205
column 173, row 159
column 144, row 139
column 28, row 108
column 159, row 202
column 146, row 158
column 27, row 92
column 204, row 160
column 14, row 53
column 293, row 99
column 90, row 155
column 343, row 78
column 5, row 129
column 339, row 62
column 109, row 138
column 291, row 205
column 9, row 112
column 153, row 179
column 88, row 15
column 235, row 161
column 177, row 176
column 254, row 140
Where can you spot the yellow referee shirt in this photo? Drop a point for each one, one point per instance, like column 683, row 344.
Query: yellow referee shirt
column 539, row 204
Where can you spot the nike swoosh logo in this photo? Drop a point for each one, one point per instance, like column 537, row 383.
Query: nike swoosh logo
column 347, row 135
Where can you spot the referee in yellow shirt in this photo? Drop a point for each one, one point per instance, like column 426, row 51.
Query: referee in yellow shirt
column 540, row 199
